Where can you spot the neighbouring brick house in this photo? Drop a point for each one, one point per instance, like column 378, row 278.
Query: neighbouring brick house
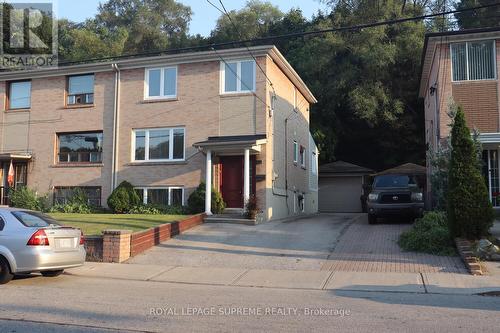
column 164, row 123
column 462, row 67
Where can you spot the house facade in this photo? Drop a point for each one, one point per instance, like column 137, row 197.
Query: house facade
column 461, row 67
column 235, row 119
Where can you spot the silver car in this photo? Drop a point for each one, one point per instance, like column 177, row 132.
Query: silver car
column 34, row 242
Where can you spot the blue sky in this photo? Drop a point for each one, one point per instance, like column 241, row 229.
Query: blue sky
column 204, row 16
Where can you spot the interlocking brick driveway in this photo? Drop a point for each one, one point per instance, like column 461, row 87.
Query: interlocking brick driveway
column 374, row 248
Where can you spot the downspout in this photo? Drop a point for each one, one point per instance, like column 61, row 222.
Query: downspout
column 116, row 127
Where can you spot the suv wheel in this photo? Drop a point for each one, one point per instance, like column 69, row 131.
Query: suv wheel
column 5, row 274
column 372, row 219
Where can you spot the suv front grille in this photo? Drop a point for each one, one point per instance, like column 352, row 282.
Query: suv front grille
column 396, row 198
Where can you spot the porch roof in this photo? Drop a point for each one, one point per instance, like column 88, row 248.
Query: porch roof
column 13, row 156
column 232, row 142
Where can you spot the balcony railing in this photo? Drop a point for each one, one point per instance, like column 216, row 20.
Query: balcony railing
column 80, row 157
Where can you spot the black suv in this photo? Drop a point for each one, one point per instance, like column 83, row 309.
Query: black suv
column 394, row 195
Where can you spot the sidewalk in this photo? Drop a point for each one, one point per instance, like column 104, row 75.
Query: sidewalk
column 439, row 283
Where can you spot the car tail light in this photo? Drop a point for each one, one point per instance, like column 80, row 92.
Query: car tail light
column 82, row 239
column 39, row 238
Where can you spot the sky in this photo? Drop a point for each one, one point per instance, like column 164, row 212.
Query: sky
column 204, row 16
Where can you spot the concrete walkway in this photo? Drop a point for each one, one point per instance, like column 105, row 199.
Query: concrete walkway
column 439, row 283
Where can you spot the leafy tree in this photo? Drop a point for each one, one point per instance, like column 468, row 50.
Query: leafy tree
column 470, row 213
column 152, row 25
column 252, row 21
column 486, row 17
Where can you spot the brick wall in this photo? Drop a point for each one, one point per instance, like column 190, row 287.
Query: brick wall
column 144, row 240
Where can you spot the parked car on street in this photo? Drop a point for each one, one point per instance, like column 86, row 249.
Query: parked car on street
column 394, row 195
column 34, row 242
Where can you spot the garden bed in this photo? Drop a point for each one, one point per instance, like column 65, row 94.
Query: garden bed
column 94, row 224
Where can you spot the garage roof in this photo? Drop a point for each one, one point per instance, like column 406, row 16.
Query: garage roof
column 341, row 167
column 405, row 169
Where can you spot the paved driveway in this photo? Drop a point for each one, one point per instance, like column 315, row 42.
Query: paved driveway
column 303, row 244
column 374, row 248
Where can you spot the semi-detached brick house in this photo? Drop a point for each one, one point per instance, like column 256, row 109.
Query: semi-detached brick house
column 462, row 67
column 164, row 123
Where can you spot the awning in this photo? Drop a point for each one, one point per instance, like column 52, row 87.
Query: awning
column 235, row 143
column 489, row 138
column 14, row 157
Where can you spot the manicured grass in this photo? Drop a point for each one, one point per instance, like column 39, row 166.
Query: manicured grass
column 94, row 224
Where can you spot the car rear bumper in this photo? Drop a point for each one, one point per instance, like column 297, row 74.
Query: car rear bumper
column 410, row 209
column 36, row 259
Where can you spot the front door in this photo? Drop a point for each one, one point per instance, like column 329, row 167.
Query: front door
column 232, row 180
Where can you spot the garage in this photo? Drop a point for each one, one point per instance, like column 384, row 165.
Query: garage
column 341, row 186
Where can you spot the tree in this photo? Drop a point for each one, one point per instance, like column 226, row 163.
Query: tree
column 152, row 25
column 252, row 21
column 481, row 18
column 470, row 213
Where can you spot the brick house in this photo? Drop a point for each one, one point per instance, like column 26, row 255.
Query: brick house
column 462, row 67
column 164, row 123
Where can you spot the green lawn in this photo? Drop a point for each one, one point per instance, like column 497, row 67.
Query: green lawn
column 94, row 224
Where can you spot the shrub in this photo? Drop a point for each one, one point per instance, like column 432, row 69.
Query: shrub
column 152, row 209
column 429, row 234
column 196, row 201
column 26, row 198
column 123, row 198
column 251, row 207
column 470, row 213
column 77, row 203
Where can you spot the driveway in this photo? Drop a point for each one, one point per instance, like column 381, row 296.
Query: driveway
column 302, row 244
column 373, row 248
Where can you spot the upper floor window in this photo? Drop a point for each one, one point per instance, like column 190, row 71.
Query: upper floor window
column 302, row 156
column 238, row 76
column 161, row 83
column 314, row 163
column 80, row 89
column 162, row 144
column 80, row 147
column 295, row 152
column 19, row 95
column 473, row 60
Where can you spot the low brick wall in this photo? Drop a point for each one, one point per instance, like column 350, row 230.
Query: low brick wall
column 472, row 262
column 93, row 247
column 144, row 240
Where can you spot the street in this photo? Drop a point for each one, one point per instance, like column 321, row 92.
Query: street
column 79, row 304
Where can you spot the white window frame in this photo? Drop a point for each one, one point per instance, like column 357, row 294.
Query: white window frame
column 314, row 163
column 302, row 157
column 146, row 143
column 169, row 188
column 295, row 151
column 162, row 83
column 238, row 77
column 467, row 59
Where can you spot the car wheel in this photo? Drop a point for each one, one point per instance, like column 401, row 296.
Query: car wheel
column 52, row 273
column 5, row 274
column 372, row 219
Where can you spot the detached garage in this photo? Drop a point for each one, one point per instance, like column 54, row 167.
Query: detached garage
column 341, row 186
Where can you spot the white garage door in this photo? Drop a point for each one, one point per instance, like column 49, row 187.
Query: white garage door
column 340, row 194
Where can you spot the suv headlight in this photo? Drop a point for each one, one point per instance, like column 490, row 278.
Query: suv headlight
column 373, row 197
column 417, row 196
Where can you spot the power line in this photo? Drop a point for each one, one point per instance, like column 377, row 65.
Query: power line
column 289, row 35
column 225, row 12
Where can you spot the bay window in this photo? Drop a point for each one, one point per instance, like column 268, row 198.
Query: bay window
column 473, row 60
column 238, row 76
column 161, row 144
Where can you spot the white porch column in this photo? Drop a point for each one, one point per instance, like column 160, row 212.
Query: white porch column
column 208, row 182
column 246, row 177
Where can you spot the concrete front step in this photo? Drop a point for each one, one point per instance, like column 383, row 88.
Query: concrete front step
column 229, row 218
